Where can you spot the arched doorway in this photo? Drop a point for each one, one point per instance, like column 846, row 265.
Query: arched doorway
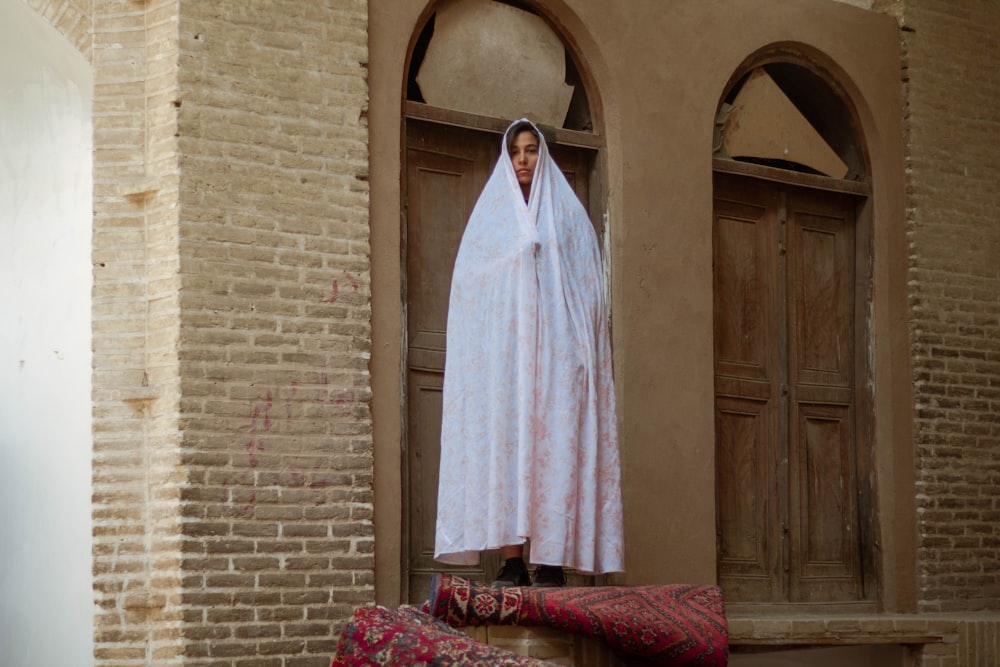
column 448, row 153
column 46, row 384
column 796, row 512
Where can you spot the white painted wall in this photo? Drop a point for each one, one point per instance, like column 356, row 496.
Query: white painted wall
column 46, row 602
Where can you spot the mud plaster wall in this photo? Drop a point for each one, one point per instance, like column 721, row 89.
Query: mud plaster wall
column 659, row 75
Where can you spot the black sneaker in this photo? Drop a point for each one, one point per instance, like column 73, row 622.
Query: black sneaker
column 513, row 573
column 549, row 576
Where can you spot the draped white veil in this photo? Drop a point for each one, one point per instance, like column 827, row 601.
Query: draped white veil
column 529, row 446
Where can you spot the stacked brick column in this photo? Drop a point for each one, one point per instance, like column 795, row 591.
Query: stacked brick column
column 135, row 300
column 274, row 338
column 950, row 51
column 232, row 458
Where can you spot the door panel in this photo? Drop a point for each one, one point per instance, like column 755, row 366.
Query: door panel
column 743, row 309
column 748, row 554
column 445, row 169
column 747, row 410
column 424, row 426
column 821, row 257
column 440, row 197
column 826, row 550
column 787, row 480
column 443, row 179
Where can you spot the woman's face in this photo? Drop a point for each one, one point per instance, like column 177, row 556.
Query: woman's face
column 524, row 156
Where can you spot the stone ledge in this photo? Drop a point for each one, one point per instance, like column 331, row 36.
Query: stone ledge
column 548, row 644
column 936, row 634
column 853, row 630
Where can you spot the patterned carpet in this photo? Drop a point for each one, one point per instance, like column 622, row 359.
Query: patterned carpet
column 646, row 625
column 408, row 636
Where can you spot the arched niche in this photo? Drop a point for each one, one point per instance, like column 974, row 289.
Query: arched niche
column 448, row 153
column 796, row 510
column 46, row 347
column 483, row 46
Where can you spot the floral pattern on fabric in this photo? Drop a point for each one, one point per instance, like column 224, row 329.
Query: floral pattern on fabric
column 529, row 447
column 378, row 636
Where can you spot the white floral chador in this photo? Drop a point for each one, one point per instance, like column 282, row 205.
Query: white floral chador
column 529, row 448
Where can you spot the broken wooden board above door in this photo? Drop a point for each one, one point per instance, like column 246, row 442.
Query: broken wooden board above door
column 495, row 60
column 764, row 123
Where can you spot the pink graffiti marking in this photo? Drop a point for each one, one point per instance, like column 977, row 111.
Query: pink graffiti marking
column 267, row 412
column 251, row 448
column 335, row 287
column 334, row 293
column 343, row 397
column 339, row 398
column 248, row 508
column 293, row 388
column 256, row 412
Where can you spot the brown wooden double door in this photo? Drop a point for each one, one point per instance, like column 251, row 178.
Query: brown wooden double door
column 446, row 168
column 793, row 510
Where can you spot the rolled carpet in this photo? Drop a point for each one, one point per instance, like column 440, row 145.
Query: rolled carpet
column 676, row 625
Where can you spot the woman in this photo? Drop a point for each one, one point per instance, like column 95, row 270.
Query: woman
column 529, row 451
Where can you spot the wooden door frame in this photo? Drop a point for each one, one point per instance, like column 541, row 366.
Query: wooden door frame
column 393, row 31
column 658, row 185
column 446, row 118
column 863, row 421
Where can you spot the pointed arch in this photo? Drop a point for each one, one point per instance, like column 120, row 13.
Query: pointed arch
column 72, row 18
column 46, row 233
column 132, row 195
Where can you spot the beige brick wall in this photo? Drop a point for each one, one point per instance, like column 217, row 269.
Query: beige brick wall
column 275, row 319
column 953, row 125
column 232, row 513
column 136, row 476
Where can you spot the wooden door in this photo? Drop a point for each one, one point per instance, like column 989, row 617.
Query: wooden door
column 446, row 168
column 789, row 519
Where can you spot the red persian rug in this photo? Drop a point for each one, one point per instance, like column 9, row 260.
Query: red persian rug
column 658, row 625
column 408, row 636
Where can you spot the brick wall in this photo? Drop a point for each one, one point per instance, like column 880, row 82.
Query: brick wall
column 136, row 476
column 232, row 512
column 953, row 125
column 274, row 339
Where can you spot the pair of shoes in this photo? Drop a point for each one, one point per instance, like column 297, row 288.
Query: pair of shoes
column 513, row 573
column 549, row 576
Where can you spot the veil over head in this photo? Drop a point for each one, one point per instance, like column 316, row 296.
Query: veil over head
column 529, row 447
